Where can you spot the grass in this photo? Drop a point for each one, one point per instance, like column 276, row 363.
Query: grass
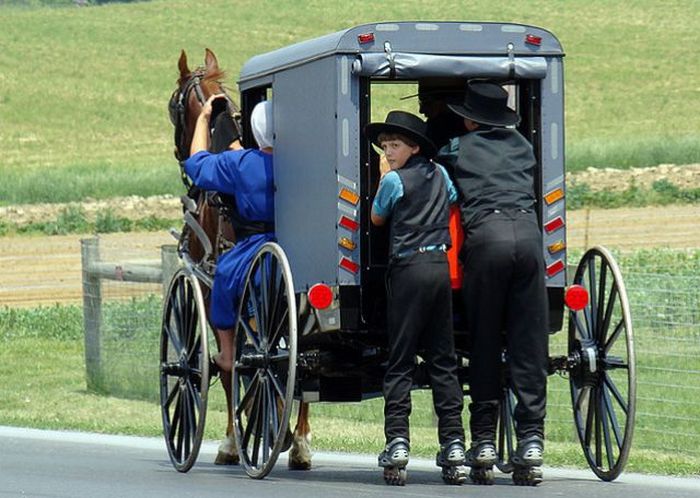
column 42, row 364
column 661, row 193
column 86, row 114
column 72, row 219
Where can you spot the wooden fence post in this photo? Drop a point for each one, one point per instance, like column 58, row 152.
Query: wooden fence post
column 170, row 262
column 92, row 312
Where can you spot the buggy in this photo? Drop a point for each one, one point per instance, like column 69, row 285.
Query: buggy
column 312, row 317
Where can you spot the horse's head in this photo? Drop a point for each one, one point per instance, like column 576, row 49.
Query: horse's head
column 193, row 90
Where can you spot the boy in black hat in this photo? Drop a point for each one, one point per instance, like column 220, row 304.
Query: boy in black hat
column 504, row 285
column 414, row 197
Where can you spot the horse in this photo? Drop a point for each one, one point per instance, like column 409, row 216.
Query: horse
column 193, row 90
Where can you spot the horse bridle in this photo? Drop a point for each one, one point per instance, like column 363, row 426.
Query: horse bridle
column 177, row 107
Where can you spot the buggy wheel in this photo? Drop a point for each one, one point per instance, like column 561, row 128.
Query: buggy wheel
column 602, row 377
column 505, row 435
column 184, row 370
column 265, row 361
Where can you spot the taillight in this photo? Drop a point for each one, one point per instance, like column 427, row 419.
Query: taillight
column 320, row 296
column 576, row 297
column 554, row 224
column 533, row 40
column 365, row 38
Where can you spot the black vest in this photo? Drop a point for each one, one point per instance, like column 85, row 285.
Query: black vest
column 495, row 170
column 421, row 217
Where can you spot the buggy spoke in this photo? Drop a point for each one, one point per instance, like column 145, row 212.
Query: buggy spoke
column 600, row 328
column 592, row 310
column 613, row 337
column 616, row 393
column 612, row 299
column 249, row 332
column 613, row 418
column 606, row 429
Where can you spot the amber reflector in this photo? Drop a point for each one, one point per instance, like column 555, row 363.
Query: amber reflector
column 347, row 244
column 554, row 196
column 349, row 196
column 557, row 246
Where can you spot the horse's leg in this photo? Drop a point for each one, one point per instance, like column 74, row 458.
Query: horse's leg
column 300, row 453
column 227, row 454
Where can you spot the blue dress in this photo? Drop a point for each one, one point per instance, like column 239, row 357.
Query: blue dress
column 247, row 175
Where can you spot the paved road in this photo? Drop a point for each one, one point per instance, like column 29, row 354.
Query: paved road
column 45, row 464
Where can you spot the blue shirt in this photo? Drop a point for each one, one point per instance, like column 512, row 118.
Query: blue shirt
column 391, row 190
column 246, row 174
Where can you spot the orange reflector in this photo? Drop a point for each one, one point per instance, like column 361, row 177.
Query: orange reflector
column 348, row 223
column 555, row 268
column 347, row 243
column 349, row 196
column 576, row 297
column 320, row 296
column 554, row 196
column 349, row 265
column 557, row 246
column 554, row 224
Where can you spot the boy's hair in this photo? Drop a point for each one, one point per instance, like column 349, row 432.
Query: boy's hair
column 387, row 137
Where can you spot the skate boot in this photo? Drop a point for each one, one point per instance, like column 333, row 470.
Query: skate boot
column 480, row 458
column 527, row 461
column 451, row 459
column 394, row 459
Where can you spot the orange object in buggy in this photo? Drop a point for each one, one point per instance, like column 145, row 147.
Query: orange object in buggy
column 457, row 236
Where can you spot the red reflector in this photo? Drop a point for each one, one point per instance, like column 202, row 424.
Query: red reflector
column 348, row 223
column 555, row 268
column 555, row 224
column 365, row 38
column 576, row 297
column 349, row 265
column 320, row 296
column 533, row 40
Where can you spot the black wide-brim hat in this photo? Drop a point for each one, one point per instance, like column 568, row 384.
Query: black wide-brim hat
column 406, row 124
column 487, row 103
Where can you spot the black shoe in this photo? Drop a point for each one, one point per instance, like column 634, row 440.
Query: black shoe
column 528, row 452
column 395, row 453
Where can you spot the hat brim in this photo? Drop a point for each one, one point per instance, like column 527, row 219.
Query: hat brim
column 373, row 130
column 505, row 117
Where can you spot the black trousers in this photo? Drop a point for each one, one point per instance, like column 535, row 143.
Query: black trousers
column 506, row 305
column 419, row 317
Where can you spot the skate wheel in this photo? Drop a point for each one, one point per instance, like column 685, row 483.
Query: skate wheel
column 482, row 476
column 395, row 477
column 531, row 476
column 454, row 476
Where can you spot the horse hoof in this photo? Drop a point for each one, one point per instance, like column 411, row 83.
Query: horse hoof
column 226, row 459
column 300, row 453
column 227, row 454
column 298, row 465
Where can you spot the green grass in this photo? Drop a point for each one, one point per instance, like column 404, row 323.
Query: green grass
column 85, row 114
column 661, row 193
column 72, row 219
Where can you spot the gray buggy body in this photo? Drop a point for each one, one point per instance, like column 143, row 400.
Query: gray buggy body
column 321, row 99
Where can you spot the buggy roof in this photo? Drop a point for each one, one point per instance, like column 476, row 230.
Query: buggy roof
column 435, row 38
